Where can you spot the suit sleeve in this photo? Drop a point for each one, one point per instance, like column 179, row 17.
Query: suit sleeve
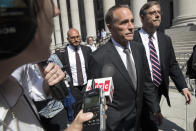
column 174, row 71
column 194, row 58
column 94, row 68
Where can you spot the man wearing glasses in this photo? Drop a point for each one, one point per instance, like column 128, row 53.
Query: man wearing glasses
column 161, row 59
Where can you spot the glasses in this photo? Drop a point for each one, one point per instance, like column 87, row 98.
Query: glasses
column 154, row 12
column 74, row 37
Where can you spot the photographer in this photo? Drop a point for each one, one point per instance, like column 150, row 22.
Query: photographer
column 25, row 34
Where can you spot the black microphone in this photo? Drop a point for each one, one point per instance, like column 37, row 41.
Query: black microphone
column 108, row 70
column 58, row 91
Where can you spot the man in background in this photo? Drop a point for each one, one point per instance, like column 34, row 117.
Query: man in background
column 161, row 60
column 91, row 44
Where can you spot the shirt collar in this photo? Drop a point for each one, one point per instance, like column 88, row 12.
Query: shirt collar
column 117, row 45
column 154, row 35
column 73, row 48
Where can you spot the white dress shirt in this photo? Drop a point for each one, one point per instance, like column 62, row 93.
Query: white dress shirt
column 145, row 40
column 120, row 49
column 30, row 78
column 92, row 46
column 72, row 62
column 16, row 114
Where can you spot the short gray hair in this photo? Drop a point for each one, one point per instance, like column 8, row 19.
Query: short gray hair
column 147, row 6
column 109, row 18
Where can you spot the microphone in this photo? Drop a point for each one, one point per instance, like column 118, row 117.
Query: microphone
column 62, row 93
column 106, row 82
column 108, row 70
column 59, row 91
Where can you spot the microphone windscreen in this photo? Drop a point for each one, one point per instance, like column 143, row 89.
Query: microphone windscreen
column 108, row 70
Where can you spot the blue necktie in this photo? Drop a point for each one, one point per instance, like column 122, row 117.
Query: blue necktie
column 156, row 68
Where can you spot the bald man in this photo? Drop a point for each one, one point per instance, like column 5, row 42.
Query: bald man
column 75, row 58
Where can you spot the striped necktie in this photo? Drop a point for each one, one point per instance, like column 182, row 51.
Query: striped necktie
column 156, row 68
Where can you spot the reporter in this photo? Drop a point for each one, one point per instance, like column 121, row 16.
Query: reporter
column 37, row 89
column 26, row 27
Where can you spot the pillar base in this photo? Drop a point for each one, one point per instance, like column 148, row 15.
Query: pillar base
column 184, row 21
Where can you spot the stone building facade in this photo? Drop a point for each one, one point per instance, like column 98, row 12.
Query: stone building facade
column 88, row 16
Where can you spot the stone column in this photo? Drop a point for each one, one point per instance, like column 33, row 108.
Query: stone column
column 64, row 18
column 135, row 7
column 52, row 46
column 57, row 29
column 184, row 12
column 90, row 18
column 106, row 5
column 75, row 15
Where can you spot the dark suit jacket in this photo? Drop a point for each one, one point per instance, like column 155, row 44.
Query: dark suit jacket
column 126, row 106
column 86, row 53
column 169, row 65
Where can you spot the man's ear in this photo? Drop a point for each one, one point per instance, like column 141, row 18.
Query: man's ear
column 110, row 27
column 142, row 18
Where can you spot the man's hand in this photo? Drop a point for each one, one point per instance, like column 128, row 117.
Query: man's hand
column 77, row 124
column 53, row 74
column 158, row 118
column 187, row 95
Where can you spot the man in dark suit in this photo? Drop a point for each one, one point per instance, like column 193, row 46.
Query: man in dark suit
column 131, row 78
column 70, row 59
column 75, row 58
column 161, row 59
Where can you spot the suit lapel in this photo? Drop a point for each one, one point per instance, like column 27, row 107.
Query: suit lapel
column 84, row 52
column 135, row 57
column 118, row 63
column 137, row 36
column 67, row 66
column 161, row 48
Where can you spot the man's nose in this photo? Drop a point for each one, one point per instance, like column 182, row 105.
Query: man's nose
column 157, row 15
column 131, row 25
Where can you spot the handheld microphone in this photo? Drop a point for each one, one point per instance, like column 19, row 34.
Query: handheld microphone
column 59, row 91
column 108, row 70
column 106, row 82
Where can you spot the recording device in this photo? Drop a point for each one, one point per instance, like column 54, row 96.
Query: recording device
column 58, row 91
column 94, row 102
column 18, row 24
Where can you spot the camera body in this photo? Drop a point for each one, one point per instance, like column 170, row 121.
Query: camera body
column 94, row 101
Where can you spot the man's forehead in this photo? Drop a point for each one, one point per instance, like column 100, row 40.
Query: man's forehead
column 73, row 33
column 122, row 10
column 122, row 13
column 154, row 7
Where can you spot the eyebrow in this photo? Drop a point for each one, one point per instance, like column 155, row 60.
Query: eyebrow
column 126, row 21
